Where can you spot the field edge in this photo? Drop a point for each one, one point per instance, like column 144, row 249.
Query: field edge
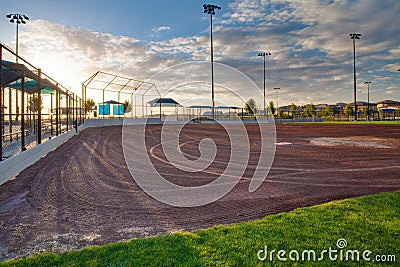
column 364, row 222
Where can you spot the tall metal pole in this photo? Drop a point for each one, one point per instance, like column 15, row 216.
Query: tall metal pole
column 264, row 54
column 16, row 43
column 355, row 36
column 210, row 9
column 17, row 19
column 212, row 71
column 355, row 79
column 368, row 101
column 264, row 85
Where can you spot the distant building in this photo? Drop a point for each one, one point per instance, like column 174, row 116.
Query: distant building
column 362, row 106
column 388, row 104
column 389, row 108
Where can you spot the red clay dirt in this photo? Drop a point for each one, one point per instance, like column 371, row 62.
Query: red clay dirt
column 82, row 193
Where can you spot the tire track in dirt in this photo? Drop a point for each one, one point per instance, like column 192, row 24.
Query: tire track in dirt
column 82, row 193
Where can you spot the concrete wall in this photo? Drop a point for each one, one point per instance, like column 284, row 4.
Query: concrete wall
column 10, row 167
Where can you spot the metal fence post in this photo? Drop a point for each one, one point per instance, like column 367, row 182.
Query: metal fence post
column 76, row 113
column 57, row 109
column 23, row 112
column 67, row 107
column 10, row 129
column 80, row 111
column 51, row 115
column 73, row 110
column 39, row 91
column 1, row 104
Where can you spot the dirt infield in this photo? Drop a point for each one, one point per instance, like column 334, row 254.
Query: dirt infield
column 83, row 194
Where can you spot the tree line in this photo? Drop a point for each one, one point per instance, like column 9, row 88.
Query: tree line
column 295, row 111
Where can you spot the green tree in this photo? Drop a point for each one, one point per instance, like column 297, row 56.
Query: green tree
column 89, row 104
column 271, row 107
column 127, row 106
column 280, row 113
column 310, row 110
column 251, row 106
column 328, row 112
column 293, row 110
column 349, row 110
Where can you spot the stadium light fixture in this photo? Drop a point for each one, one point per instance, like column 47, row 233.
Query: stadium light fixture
column 264, row 54
column 354, row 37
column 210, row 9
column 368, row 83
column 17, row 19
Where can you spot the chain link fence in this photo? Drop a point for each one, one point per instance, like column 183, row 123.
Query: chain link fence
column 33, row 106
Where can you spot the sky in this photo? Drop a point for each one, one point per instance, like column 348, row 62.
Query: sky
column 311, row 61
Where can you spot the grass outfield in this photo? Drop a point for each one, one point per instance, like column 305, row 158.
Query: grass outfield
column 366, row 223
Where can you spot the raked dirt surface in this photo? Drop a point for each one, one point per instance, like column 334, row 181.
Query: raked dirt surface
column 83, row 194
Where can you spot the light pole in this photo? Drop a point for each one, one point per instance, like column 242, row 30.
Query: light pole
column 210, row 9
column 277, row 97
column 368, row 83
column 17, row 19
column 264, row 54
column 355, row 36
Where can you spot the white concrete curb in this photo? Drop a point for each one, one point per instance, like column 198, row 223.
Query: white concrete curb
column 10, row 168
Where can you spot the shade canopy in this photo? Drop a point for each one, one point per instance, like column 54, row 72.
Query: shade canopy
column 164, row 102
column 389, row 110
column 112, row 102
column 12, row 73
column 31, row 87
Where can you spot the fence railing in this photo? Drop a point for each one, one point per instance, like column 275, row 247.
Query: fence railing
column 33, row 106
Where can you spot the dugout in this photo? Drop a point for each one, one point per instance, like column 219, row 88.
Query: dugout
column 111, row 108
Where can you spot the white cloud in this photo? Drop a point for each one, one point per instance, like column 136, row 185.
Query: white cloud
column 161, row 28
column 71, row 55
column 311, row 50
column 310, row 44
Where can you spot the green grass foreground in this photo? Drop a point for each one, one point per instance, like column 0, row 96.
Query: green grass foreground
column 370, row 222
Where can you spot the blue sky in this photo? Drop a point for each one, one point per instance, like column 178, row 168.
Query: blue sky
column 311, row 51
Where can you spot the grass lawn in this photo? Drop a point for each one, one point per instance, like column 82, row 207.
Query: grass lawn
column 366, row 223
